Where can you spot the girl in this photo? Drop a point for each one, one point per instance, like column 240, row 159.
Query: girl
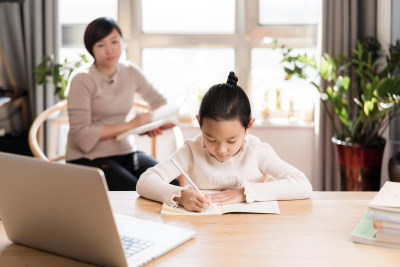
column 99, row 99
column 225, row 157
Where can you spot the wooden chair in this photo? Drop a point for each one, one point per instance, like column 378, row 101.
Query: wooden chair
column 35, row 136
column 56, row 119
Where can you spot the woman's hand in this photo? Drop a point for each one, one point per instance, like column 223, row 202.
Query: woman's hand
column 140, row 119
column 193, row 200
column 111, row 131
column 154, row 132
column 228, row 196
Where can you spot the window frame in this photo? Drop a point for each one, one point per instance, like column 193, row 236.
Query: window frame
column 248, row 34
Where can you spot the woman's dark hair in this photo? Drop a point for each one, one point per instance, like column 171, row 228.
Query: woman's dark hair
column 226, row 101
column 97, row 30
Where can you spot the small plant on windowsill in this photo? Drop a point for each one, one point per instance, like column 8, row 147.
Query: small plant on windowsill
column 49, row 71
column 359, row 94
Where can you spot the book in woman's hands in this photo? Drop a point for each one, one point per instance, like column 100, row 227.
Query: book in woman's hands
column 164, row 117
column 215, row 209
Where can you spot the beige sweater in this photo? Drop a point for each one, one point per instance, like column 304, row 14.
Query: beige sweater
column 246, row 169
column 95, row 100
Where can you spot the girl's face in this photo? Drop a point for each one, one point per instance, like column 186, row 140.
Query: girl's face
column 223, row 139
column 107, row 51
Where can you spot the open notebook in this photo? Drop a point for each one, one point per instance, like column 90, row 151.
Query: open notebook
column 215, row 209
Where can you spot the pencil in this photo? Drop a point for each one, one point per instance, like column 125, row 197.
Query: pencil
column 187, row 178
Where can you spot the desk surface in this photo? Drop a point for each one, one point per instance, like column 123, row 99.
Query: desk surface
column 312, row 232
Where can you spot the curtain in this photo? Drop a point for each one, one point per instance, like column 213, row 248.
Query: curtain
column 343, row 23
column 29, row 30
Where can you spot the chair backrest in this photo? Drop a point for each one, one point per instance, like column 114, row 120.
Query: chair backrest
column 35, row 136
column 56, row 118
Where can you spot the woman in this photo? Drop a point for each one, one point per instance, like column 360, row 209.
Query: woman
column 100, row 96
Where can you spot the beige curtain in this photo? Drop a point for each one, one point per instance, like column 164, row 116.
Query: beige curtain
column 343, row 22
column 29, row 30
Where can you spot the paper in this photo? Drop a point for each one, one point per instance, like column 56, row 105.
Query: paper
column 388, row 198
column 215, row 209
column 164, row 117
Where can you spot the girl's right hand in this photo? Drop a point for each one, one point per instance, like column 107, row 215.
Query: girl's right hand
column 193, row 201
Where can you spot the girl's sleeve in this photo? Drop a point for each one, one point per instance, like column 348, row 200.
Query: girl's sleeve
column 84, row 134
column 154, row 183
column 284, row 182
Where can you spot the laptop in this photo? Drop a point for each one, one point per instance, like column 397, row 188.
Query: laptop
column 64, row 209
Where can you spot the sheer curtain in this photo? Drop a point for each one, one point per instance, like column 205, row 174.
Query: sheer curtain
column 343, row 22
column 29, row 30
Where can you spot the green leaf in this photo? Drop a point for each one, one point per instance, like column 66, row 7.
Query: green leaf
column 358, row 102
column 345, row 83
column 324, row 69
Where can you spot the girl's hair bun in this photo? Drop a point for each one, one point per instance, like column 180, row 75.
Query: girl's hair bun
column 232, row 79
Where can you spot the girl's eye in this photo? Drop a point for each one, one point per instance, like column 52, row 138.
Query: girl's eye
column 212, row 141
column 231, row 142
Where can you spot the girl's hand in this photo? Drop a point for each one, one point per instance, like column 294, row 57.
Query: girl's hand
column 228, row 196
column 193, row 201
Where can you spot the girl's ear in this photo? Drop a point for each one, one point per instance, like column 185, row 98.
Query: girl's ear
column 198, row 120
column 250, row 124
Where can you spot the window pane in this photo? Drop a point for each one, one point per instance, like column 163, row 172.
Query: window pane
column 288, row 12
column 187, row 72
column 74, row 16
column 271, row 92
column 83, row 12
column 188, row 16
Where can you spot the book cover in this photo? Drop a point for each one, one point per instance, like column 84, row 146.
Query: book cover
column 387, row 230
column 387, row 238
column 389, row 225
column 215, row 209
column 364, row 233
column 385, row 216
column 388, row 198
column 164, row 117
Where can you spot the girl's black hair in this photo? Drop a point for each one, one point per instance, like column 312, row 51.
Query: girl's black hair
column 226, row 101
column 97, row 30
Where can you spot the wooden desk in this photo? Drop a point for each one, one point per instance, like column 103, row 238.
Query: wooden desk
column 313, row 232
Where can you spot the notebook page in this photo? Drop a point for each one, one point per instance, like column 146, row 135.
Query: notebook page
column 255, row 207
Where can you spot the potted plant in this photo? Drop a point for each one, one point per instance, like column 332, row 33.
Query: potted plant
column 359, row 94
column 49, row 71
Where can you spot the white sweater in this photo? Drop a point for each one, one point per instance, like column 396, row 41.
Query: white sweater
column 256, row 167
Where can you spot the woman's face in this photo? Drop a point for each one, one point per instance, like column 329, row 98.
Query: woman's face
column 223, row 139
column 107, row 51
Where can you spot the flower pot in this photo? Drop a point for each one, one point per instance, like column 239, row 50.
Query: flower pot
column 360, row 166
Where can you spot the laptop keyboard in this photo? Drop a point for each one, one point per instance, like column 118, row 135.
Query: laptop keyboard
column 133, row 246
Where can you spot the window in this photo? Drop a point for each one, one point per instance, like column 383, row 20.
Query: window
column 183, row 16
column 286, row 12
column 187, row 72
column 185, row 46
column 74, row 15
